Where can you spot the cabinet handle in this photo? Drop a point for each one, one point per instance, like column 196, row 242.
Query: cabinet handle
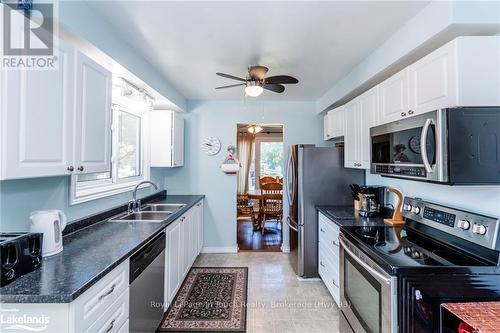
column 70, row 168
column 321, row 229
column 403, row 114
column 109, row 292
column 80, row 168
column 328, row 135
column 335, row 284
column 321, row 263
column 335, row 244
column 199, row 204
column 111, row 325
column 410, row 112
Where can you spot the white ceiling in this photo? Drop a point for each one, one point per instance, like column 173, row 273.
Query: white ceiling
column 317, row 42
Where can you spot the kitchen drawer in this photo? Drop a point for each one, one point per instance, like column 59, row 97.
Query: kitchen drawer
column 114, row 317
column 124, row 328
column 89, row 306
column 328, row 232
column 329, row 271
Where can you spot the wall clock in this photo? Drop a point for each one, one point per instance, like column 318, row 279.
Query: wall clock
column 211, row 145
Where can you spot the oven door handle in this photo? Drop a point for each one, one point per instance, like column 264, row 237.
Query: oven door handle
column 363, row 264
column 423, row 145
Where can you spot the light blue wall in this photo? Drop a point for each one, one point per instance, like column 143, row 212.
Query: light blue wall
column 480, row 199
column 18, row 198
column 80, row 19
column 201, row 173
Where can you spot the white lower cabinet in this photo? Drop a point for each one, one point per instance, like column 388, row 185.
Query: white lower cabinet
column 104, row 307
column 328, row 256
column 184, row 239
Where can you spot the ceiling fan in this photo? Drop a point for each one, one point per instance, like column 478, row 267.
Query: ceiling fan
column 256, row 82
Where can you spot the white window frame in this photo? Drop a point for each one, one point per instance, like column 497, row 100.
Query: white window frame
column 258, row 140
column 98, row 189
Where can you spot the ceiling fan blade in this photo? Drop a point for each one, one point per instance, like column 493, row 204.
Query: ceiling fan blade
column 257, row 72
column 274, row 87
column 232, row 85
column 281, row 79
column 231, row 77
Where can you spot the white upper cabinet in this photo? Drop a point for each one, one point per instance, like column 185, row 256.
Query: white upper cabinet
column 93, row 116
column 369, row 113
column 167, row 139
column 433, row 81
column 37, row 119
column 351, row 137
column 394, row 97
column 56, row 121
column 360, row 114
column 334, row 123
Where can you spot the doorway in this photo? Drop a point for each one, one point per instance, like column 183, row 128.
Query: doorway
column 260, row 187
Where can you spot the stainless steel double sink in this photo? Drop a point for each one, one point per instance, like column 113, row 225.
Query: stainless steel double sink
column 149, row 213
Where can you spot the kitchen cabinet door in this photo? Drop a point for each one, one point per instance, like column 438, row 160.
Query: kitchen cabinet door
column 394, row 97
column 173, row 265
column 37, row 119
column 93, row 116
column 433, row 81
column 178, row 140
column 334, row 123
column 199, row 208
column 166, row 139
column 368, row 115
column 186, row 222
column 351, row 137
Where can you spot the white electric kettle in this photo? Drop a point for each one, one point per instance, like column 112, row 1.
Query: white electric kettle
column 50, row 223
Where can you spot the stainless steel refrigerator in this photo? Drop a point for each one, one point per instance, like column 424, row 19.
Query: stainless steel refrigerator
column 314, row 176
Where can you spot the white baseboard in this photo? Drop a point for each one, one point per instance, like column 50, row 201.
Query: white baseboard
column 216, row 249
column 285, row 249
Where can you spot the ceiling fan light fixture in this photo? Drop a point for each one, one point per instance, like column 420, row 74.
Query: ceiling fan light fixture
column 254, row 129
column 253, row 89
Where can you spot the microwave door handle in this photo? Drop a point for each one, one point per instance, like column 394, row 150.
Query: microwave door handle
column 363, row 264
column 423, row 145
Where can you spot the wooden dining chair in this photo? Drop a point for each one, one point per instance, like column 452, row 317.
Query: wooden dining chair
column 272, row 208
column 266, row 179
column 245, row 206
column 272, row 203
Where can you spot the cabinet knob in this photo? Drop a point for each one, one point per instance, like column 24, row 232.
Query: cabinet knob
column 410, row 112
column 403, row 114
column 328, row 135
column 80, row 168
column 70, row 168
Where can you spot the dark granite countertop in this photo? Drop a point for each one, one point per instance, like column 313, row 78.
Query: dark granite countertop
column 339, row 215
column 88, row 255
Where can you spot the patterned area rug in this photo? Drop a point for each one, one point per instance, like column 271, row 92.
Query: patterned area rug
column 211, row 299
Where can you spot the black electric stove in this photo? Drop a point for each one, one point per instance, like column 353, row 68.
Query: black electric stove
column 440, row 255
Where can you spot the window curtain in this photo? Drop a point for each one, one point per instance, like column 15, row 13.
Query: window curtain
column 245, row 150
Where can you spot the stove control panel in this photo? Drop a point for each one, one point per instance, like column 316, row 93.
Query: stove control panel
column 476, row 228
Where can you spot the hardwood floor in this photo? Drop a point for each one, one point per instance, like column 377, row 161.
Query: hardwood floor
column 249, row 240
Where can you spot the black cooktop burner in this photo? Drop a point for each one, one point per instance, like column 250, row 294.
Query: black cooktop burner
column 402, row 248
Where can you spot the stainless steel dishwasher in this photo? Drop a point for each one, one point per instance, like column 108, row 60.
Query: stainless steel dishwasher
column 147, row 276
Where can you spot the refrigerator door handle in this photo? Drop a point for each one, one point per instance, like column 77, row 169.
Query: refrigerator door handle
column 289, row 221
column 290, row 175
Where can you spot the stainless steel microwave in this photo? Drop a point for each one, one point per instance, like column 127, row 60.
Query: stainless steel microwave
column 456, row 146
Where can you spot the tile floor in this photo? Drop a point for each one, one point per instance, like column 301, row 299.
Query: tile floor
column 277, row 300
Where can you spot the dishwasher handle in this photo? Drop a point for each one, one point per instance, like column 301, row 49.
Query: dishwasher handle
column 141, row 259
